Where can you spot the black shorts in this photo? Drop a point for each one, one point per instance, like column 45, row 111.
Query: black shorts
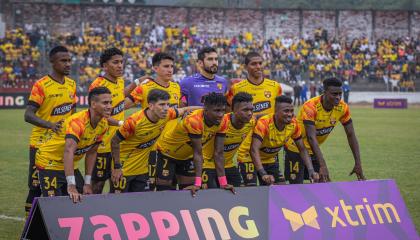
column 54, row 183
column 271, row 169
column 33, row 180
column 210, row 180
column 249, row 175
column 102, row 169
column 136, row 183
column 295, row 170
column 152, row 167
column 167, row 167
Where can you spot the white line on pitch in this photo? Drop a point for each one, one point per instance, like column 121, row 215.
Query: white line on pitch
column 20, row 219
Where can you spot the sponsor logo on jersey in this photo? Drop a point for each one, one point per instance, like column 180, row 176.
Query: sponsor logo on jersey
column 231, row 147
column 117, row 109
column 270, row 150
column 261, row 106
column 147, row 144
column 62, row 109
column 81, row 151
column 324, row 131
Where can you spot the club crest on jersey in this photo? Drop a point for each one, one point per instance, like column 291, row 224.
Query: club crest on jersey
column 244, row 136
column 175, row 96
column 219, row 86
column 333, row 121
column 71, row 95
column 267, row 94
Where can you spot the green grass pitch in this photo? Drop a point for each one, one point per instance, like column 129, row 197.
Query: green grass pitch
column 389, row 142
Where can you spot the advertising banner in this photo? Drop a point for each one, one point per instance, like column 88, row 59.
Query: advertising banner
column 390, row 103
column 342, row 210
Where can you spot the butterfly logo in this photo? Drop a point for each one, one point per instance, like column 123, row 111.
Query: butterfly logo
column 308, row 218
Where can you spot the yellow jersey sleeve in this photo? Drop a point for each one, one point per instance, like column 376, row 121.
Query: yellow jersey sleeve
column 297, row 134
column 37, row 95
column 75, row 129
column 193, row 125
column 346, row 118
column 137, row 95
column 261, row 129
column 309, row 113
column 128, row 129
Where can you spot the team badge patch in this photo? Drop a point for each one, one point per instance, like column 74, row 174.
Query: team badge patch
column 219, row 86
column 267, row 94
column 175, row 96
column 332, row 120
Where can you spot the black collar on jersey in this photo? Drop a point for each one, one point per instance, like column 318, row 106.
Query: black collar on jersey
column 209, row 79
column 109, row 80
column 56, row 80
column 169, row 84
column 254, row 83
column 275, row 124
column 145, row 114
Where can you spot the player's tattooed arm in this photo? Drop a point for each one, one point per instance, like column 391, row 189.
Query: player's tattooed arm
column 219, row 159
column 354, row 146
column 256, row 159
column 198, row 164
column 69, row 149
column 313, row 142
column 115, row 150
column 305, row 156
column 30, row 117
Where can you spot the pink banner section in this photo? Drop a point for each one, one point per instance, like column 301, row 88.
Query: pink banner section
column 342, row 210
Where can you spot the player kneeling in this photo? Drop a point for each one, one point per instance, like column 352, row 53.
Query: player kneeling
column 219, row 153
column 135, row 139
column 57, row 159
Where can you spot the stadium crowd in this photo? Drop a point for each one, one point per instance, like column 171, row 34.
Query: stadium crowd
column 287, row 59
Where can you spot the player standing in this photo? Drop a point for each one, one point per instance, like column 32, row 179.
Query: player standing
column 195, row 87
column 112, row 62
column 57, row 159
column 317, row 118
column 264, row 92
column 52, row 99
column 163, row 66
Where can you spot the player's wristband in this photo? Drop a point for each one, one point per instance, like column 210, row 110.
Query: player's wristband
column 262, row 172
column 71, row 180
column 197, row 181
column 88, row 179
column 120, row 123
column 222, row 181
column 117, row 166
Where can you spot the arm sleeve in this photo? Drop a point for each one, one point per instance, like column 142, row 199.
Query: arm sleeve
column 137, row 95
column 297, row 133
column 128, row 128
column 193, row 124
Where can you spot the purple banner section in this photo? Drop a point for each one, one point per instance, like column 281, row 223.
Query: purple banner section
column 390, row 103
column 343, row 210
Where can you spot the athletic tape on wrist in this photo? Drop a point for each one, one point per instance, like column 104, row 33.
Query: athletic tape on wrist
column 71, row 180
column 197, row 181
column 88, row 179
column 222, row 181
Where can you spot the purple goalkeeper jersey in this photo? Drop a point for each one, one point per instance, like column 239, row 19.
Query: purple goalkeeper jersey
column 194, row 87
